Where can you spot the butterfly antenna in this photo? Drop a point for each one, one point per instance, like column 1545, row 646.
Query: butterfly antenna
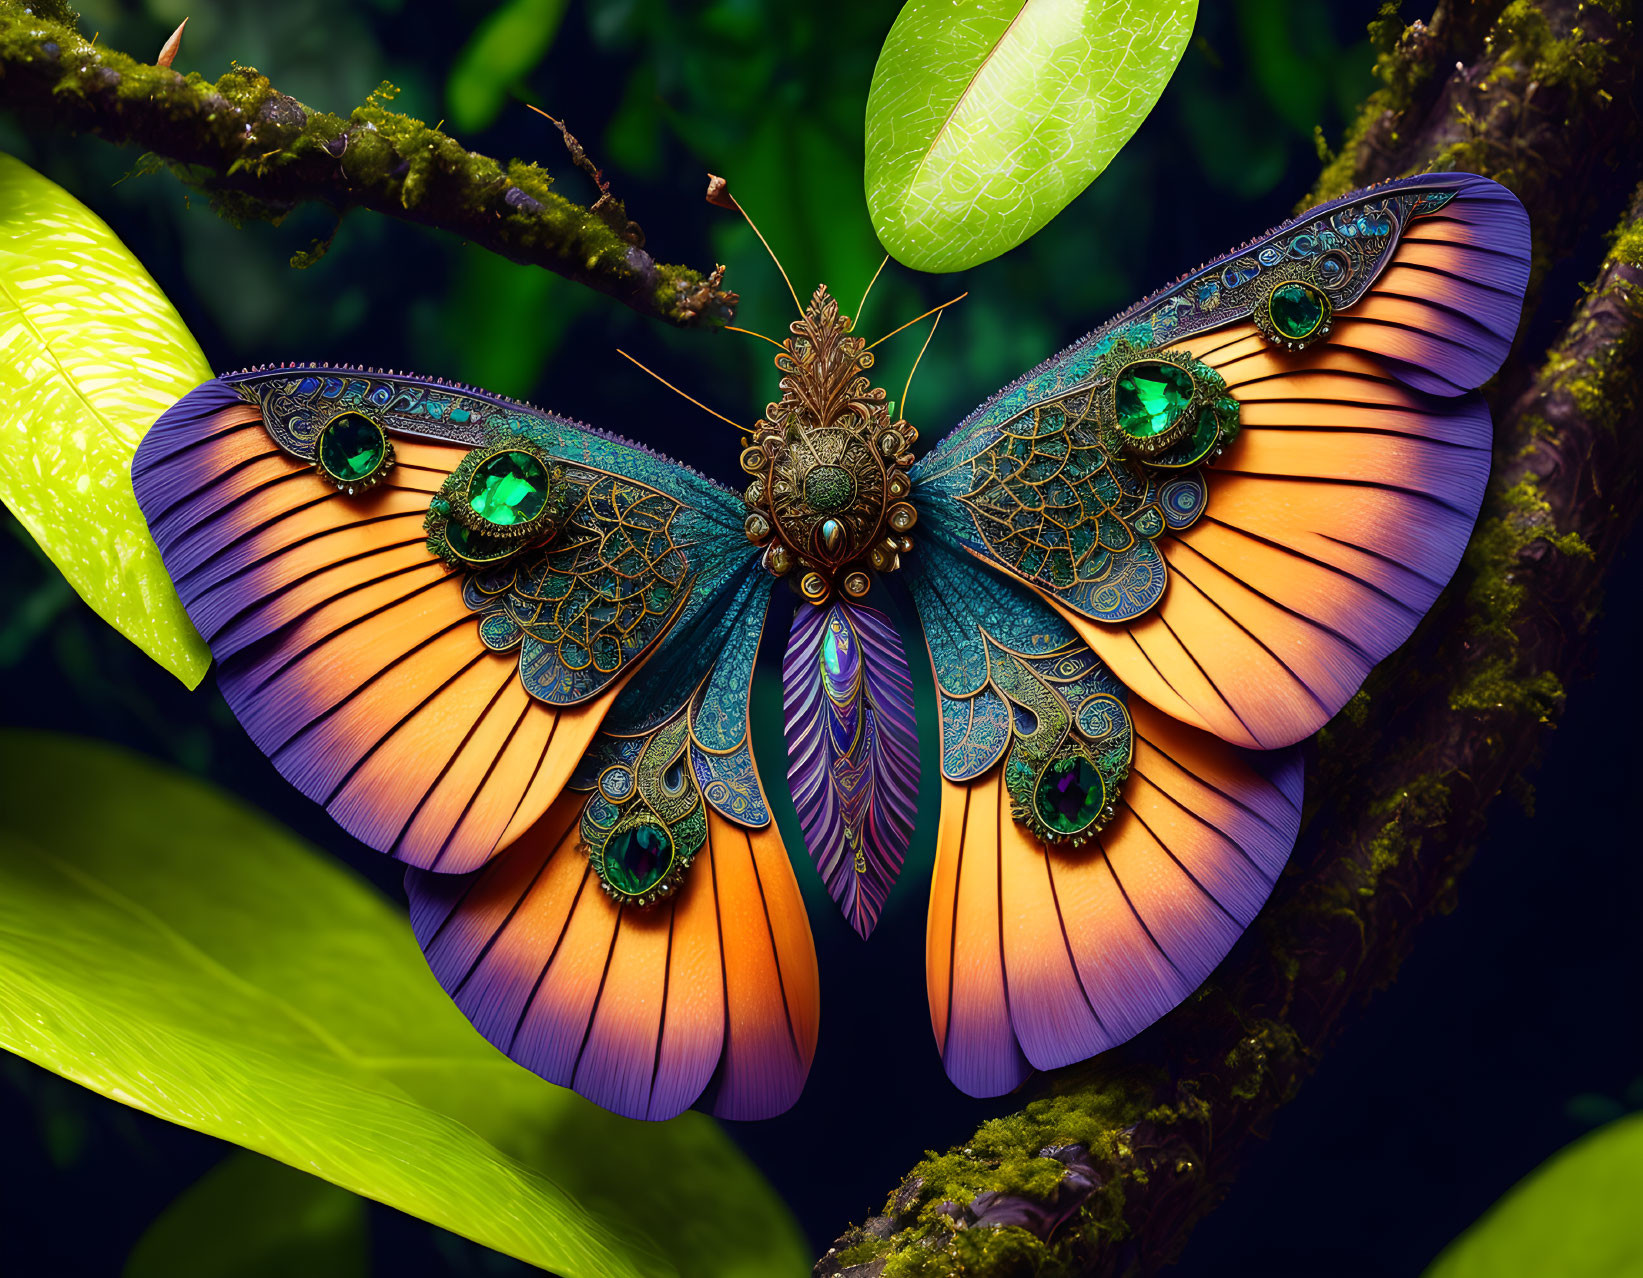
column 731, row 328
column 927, row 314
column 679, row 392
column 869, row 289
column 908, row 388
column 718, row 192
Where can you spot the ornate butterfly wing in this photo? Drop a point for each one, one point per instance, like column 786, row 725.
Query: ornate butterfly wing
column 1220, row 510
column 671, row 960
column 424, row 602
column 1096, row 859
column 1246, row 491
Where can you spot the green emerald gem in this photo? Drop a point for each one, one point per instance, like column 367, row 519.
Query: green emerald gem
column 637, row 859
column 510, row 488
column 829, row 488
column 1298, row 310
column 351, row 448
column 1070, row 795
column 1150, row 397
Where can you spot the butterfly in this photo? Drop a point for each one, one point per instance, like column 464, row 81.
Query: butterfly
column 516, row 653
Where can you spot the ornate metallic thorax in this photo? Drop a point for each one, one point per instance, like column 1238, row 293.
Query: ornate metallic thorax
column 829, row 493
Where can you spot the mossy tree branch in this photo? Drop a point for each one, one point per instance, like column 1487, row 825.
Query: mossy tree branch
column 259, row 153
column 1539, row 96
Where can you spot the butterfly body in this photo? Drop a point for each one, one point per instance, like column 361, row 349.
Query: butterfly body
column 830, row 487
column 517, row 653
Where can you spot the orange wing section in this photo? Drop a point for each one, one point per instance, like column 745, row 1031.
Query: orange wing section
column 710, row 995
column 1039, row 958
column 1342, row 509
column 345, row 647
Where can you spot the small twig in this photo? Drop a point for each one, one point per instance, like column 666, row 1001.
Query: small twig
column 607, row 206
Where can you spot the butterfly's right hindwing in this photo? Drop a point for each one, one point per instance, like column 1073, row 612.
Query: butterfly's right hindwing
column 1096, row 859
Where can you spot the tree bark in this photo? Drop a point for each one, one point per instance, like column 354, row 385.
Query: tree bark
column 1147, row 1138
column 259, row 153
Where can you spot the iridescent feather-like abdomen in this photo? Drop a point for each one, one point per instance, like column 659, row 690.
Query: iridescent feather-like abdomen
column 852, row 753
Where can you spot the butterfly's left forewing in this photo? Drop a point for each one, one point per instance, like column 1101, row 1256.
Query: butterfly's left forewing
column 435, row 710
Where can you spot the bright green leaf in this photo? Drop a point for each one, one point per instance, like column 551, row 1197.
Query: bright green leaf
column 250, row 1217
column 506, row 48
column 985, row 119
column 90, row 354
column 168, row 948
column 1577, row 1215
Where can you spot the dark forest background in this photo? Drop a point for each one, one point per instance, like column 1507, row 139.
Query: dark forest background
column 1513, row 1027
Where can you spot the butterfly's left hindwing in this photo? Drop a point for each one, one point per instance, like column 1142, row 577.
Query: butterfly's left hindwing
column 435, row 706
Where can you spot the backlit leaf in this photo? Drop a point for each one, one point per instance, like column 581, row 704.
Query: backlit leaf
column 91, row 352
column 986, row 117
column 1575, row 1216
column 177, row 952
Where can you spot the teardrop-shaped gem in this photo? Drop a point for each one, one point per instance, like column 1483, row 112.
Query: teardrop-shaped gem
column 638, row 858
column 1070, row 795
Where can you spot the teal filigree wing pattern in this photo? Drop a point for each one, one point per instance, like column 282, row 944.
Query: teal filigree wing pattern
column 675, row 745
column 423, row 598
column 1303, row 451
column 597, row 597
column 1095, row 858
column 1054, row 504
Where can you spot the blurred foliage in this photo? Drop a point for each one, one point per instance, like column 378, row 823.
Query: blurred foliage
column 982, row 127
column 251, row 1217
column 1576, row 1216
column 90, row 354
column 269, row 998
column 506, row 47
column 771, row 94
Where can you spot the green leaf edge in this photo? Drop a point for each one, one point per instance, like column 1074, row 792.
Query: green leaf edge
column 101, row 542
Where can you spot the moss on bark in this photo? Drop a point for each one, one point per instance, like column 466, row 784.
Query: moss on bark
column 259, row 153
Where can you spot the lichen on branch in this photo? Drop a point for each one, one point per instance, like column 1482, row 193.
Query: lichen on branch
column 1538, row 96
column 260, row 153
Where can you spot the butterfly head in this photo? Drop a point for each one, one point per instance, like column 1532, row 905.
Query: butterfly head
column 829, row 489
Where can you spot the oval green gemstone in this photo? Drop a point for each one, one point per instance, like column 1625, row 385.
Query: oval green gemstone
column 829, row 488
column 1070, row 795
column 1298, row 310
column 637, row 859
column 1150, row 397
column 510, row 488
column 351, row 448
